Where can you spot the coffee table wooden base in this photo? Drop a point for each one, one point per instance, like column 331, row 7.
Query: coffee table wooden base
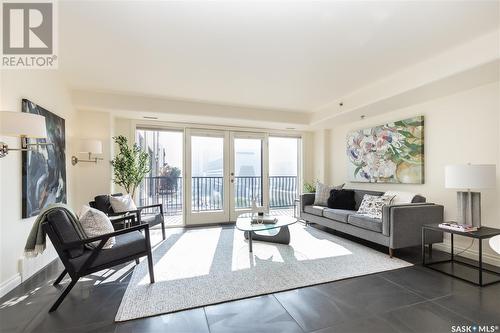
column 282, row 237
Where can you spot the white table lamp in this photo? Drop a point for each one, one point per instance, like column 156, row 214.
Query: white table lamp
column 23, row 125
column 88, row 146
column 470, row 177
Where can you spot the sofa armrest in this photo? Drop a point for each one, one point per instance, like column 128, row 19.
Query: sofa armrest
column 306, row 199
column 386, row 215
column 405, row 223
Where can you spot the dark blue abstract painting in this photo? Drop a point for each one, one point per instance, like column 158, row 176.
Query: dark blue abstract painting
column 44, row 167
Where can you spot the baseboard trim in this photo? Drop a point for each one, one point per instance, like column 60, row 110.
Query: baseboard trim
column 470, row 254
column 11, row 283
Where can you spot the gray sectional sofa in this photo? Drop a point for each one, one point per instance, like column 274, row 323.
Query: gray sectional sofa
column 399, row 227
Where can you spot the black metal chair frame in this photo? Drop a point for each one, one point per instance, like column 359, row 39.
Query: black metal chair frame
column 86, row 268
column 137, row 213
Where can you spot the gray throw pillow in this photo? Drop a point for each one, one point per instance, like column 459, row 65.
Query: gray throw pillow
column 323, row 193
column 371, row 205
column 96, row 223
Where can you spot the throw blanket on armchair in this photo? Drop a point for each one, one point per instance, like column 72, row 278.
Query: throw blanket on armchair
column 36, row 242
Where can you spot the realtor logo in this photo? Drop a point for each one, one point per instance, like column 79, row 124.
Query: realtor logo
column 28, row 35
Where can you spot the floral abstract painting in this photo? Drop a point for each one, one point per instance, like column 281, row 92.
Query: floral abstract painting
column 390, row 153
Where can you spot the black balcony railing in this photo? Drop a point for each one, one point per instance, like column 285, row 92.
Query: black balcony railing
column 208, row 192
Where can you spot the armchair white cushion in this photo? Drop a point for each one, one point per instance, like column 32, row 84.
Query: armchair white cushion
column 123, row 203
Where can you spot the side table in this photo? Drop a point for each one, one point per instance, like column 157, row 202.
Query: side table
column 473, row 273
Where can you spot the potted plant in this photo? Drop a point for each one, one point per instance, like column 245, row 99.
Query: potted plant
column 170, row 175
column 309, row 187
column 130, row 165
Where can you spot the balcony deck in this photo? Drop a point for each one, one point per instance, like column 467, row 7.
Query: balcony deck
column 176, row 220
column 207, row 194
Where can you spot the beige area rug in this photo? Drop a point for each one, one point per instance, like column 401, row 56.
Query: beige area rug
column 198, row 267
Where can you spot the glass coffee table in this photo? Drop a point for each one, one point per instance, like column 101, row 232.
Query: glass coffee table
column 265, row 232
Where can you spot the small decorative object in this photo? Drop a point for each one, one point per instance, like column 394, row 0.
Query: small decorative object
column 130, row 165
column 457, row 227
column 257, row 212
column 467, row 177
column 88, row 147
column 44, row 168
column 390, row 153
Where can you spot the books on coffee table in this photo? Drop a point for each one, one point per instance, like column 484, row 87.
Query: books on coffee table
column 457, row 227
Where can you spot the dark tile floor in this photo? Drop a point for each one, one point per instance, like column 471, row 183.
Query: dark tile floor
column 413, row 299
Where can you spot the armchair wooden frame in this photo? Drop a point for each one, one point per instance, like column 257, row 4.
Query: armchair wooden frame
column 87, row 268
column 137, row 213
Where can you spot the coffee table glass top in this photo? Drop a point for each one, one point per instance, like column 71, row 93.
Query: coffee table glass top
column 243, row 222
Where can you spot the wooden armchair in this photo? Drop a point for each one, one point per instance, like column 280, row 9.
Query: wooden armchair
column 79, row 261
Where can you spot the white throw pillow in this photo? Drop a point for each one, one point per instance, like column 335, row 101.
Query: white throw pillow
column 400, row 197
column 96, row 223
column 371, row 205
column 123, row 203
column 323, row 193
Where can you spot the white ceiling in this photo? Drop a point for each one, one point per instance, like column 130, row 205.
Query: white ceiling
column 292, row 56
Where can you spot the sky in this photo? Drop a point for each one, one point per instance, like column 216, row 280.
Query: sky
column 282, row 154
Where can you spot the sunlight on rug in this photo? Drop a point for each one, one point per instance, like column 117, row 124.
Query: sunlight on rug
column 199, row 267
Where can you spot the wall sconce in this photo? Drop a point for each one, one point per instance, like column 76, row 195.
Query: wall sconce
column 23, row 125
column 88, row 147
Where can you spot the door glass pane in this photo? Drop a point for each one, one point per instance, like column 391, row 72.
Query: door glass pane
column 247, row 172
column 207, row 167
column 283, row 175
column 163, row 184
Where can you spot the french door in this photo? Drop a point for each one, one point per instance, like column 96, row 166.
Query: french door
column 248, row 172
column 225, row 172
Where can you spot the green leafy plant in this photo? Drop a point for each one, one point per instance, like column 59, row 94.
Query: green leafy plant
column 309, row 187
column 170, row 175
column 130, row 165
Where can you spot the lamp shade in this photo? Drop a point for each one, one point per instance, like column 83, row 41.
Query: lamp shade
column 22, row 124
column 470, row 176
column 90, row 146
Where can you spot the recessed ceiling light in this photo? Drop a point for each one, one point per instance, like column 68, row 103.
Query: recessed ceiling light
column 149, row 117
column 290, row 128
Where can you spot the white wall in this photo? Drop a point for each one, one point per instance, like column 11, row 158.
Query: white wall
column 92, row 179
column 459, row 128
column 321, row 153
column 45, row 88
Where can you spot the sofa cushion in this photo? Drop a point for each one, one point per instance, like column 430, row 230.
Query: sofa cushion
column 323, row 193
column 314, row 210
column 339, row 215
column 365, row 222
column 372, row 205
column 341, row 199
column 126, row 245
column 359, row 195
column 400, row 197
